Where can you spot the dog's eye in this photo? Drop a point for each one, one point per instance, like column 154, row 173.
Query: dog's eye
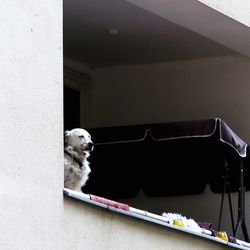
column 81, row 136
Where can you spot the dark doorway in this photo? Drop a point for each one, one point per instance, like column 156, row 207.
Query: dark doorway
column 71, row 108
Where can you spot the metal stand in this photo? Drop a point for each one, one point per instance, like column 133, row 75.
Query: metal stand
column 241, row 206
column 241, row 203
column 226, row 188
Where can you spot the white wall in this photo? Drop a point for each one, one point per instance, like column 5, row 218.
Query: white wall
column 99, row 229
column 232, row 8
column 31, row 173
column 33, row 213
column 186, row 90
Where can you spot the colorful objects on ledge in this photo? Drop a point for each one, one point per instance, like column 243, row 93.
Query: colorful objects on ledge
column 174, row 220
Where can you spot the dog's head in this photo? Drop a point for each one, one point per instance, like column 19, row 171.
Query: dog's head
column 79, row 139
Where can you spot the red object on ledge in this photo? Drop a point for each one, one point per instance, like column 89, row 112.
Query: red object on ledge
column 109, row 202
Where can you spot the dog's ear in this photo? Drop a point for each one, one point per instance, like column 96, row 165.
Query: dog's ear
column 66, row 137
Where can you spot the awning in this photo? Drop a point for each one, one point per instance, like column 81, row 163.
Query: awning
column 163, row 159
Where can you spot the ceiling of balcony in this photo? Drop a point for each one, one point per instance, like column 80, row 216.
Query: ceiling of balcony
column 116, row 32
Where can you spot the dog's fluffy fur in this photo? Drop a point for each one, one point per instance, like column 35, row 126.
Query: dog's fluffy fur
column 78, row 145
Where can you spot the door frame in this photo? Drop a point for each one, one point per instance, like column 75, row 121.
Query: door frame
column 81, row 82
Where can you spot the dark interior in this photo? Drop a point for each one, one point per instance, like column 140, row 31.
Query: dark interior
column 71, row 108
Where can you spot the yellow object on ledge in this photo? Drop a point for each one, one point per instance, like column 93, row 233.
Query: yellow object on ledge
column 178, row 222
column 222, row 235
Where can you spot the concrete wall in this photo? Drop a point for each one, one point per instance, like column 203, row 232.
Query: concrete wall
column 31, row 80
column 99, row 229
column 232, row 8
column 33, row 213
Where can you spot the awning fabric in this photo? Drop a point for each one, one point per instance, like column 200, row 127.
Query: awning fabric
column 164, row 159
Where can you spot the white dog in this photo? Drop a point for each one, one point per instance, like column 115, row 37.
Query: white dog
column 78, row 145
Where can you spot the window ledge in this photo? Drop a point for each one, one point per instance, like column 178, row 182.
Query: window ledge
column 149, row 217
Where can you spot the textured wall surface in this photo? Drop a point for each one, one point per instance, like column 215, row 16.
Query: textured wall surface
column 33, row 213
column 100, row 229
column 232, row 8
column 31, row 173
